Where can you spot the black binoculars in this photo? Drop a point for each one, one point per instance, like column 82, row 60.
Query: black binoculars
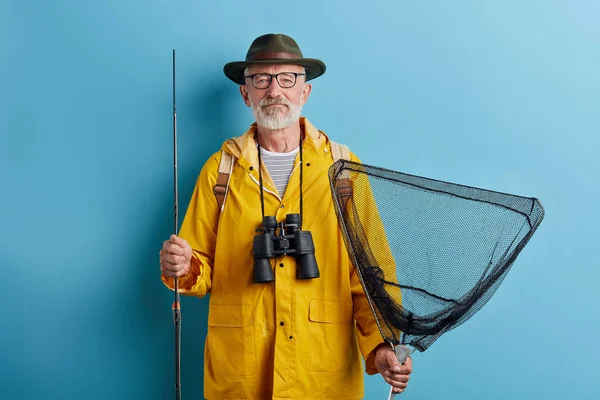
column 289, row 240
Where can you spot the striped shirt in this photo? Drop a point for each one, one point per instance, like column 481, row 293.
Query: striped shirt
column 280, row 166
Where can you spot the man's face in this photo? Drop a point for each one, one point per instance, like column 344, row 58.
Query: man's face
column 275, row 107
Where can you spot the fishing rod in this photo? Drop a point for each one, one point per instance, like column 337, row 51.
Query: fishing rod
column 176, row 304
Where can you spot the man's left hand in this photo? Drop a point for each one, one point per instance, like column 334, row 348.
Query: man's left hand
column 392, row 371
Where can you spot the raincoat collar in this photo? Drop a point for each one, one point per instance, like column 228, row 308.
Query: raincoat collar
column 244, row 147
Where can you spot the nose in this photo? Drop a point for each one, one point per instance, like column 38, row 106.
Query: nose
column 274, row 88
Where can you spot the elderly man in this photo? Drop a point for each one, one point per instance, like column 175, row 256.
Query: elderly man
column 278, row 328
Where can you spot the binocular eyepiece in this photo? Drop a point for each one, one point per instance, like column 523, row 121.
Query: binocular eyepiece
column 287, row 238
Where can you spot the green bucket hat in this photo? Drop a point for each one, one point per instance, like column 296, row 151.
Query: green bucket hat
column 274, row 49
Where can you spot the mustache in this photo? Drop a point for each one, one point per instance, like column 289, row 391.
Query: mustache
column 267, row 101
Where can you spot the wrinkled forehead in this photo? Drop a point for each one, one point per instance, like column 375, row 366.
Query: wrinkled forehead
column 274, row 68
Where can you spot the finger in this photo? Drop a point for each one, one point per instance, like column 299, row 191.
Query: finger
column 171, row 274
column 171, row 270
column 399, row 385
column 408, row 364
column 179, row 241
column 391, row 378
column 173, row 259
column 404, row 369
column 392, row 361
column 169, row 267
column 165, row 268
column 398, row 390
column 399, row 378
column 174, row 249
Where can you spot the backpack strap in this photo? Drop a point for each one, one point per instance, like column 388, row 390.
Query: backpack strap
column 344, row 186
column 338, row 151
column 221, row 187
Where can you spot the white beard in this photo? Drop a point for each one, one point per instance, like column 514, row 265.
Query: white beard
column 277, row 117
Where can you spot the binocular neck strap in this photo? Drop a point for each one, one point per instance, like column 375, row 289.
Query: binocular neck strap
column 260, row 180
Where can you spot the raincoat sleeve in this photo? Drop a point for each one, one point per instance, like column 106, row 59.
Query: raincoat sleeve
column 369, row 336
column 199, row 229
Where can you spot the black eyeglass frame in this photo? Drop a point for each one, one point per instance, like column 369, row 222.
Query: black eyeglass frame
column 276, row 76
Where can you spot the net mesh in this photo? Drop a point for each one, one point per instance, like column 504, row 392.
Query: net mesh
column 429, row 253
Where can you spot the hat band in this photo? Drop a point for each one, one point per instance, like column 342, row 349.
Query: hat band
column 277, row 55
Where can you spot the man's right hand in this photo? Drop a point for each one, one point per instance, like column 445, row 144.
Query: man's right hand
column 175, row 257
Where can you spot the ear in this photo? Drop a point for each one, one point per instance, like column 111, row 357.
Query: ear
column 245, row 96
column 306, row 92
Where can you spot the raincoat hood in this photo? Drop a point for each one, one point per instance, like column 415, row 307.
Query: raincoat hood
column 244, row 146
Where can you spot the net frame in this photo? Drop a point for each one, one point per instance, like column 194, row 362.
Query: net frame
column 405, row 330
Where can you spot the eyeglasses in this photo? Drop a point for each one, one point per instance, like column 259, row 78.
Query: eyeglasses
column 285, row 79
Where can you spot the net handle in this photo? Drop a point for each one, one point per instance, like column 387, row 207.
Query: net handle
column 402, row 353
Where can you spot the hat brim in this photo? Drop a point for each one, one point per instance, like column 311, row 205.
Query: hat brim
column 235, row 70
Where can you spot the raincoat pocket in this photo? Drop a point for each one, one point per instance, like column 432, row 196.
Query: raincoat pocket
column 331, row 330
column 230, row 347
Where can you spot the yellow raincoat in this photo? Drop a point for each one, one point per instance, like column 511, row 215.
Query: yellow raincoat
column 299, row 339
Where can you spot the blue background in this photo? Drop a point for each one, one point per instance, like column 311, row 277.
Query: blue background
column 502, row 95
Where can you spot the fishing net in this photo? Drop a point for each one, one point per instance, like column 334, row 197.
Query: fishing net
column 429, row 254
